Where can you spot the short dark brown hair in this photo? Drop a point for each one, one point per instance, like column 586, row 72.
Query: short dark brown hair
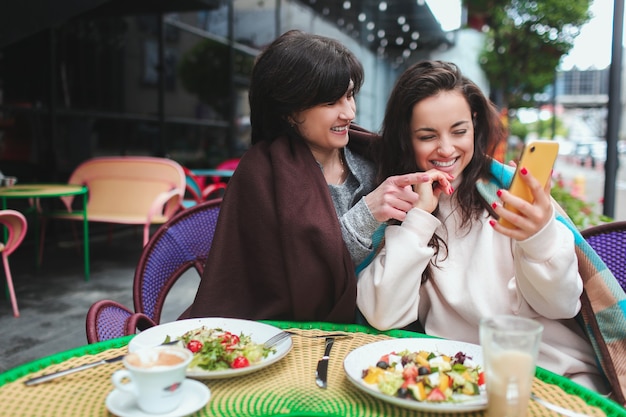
column 295, row 72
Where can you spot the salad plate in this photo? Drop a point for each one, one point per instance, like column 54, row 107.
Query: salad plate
column 363, row 357
column 258, row 332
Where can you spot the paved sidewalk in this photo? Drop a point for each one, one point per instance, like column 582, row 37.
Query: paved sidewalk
column 591, row 180
column 54, row 300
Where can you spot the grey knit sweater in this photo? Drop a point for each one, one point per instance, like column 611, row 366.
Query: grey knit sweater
column 357, row 222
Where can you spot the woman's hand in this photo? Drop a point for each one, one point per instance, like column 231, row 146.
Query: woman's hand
column 531, row 217
column 396, row 196
column 434, row 183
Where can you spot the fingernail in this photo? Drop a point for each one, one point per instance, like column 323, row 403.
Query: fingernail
column 494, row 205
column 492, row 223
column 499, row 193
column 451, row 190
column 524, row 171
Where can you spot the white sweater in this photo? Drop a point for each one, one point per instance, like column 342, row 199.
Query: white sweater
column 485, row 273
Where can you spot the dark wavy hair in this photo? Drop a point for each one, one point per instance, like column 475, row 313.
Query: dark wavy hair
column 295, row 72
column 426, row 79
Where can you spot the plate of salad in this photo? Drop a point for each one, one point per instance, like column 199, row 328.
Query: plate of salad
column 222, row 347
column 421, row 373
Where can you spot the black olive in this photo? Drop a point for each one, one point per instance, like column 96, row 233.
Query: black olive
column 423, row 370
column 382, row 365
column 403, row 392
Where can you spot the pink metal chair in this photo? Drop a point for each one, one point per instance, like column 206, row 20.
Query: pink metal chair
column 16, row 226
column 229, row 164
column 195, row 194
column 137, row 190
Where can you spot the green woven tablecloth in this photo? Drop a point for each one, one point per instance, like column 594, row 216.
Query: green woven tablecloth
column 284, row 388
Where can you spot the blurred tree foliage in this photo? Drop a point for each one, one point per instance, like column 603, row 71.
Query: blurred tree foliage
column 525, row 42
column 519, row 129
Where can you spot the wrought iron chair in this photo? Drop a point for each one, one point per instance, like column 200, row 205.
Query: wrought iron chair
column 178, row 245
column 16, row 227
column 609, row 242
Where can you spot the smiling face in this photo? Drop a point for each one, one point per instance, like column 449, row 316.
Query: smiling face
column 442, row 133
column 325, row 127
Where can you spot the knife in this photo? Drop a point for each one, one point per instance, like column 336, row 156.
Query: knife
column 321, row 374
column 55, row 375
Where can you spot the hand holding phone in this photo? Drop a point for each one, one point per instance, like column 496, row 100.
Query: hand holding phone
column 538, row 157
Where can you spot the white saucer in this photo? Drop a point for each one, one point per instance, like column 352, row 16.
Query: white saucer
column 196, row 395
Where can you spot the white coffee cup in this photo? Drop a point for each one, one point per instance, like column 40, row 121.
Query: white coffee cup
column 154, row 376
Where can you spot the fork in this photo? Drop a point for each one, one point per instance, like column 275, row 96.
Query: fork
column 279, row 337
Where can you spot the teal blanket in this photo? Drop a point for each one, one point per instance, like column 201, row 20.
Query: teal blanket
column 603, row 300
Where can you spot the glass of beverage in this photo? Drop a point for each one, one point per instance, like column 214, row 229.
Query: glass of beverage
column 154, row 376
column 510, row 347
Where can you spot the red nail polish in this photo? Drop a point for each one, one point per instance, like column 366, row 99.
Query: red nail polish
column 494, row 205
column 524, row 171
column 499, row 193
column 492, row 223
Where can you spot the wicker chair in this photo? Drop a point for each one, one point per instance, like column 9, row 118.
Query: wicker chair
column 609, row 242
column 178, row 245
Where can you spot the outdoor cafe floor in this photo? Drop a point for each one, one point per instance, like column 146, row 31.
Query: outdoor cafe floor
column 53, row 300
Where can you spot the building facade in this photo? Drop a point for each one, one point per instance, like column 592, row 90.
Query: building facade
column 170, row 78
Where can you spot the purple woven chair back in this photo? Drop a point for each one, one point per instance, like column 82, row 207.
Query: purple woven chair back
column 609, row 242
column 178, row 245
column 107, row 322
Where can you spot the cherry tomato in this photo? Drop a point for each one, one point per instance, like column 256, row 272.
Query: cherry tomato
column 194, row 345
column 234, row 339
column 481, row 378
column 240, row 362
column 226, row 338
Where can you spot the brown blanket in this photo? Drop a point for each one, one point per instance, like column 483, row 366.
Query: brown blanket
column 278, row 252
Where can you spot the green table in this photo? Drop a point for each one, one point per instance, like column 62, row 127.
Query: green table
column 38, row 191
column 285, row 388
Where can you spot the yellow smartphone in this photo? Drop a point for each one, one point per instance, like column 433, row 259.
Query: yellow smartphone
column 538, row 157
